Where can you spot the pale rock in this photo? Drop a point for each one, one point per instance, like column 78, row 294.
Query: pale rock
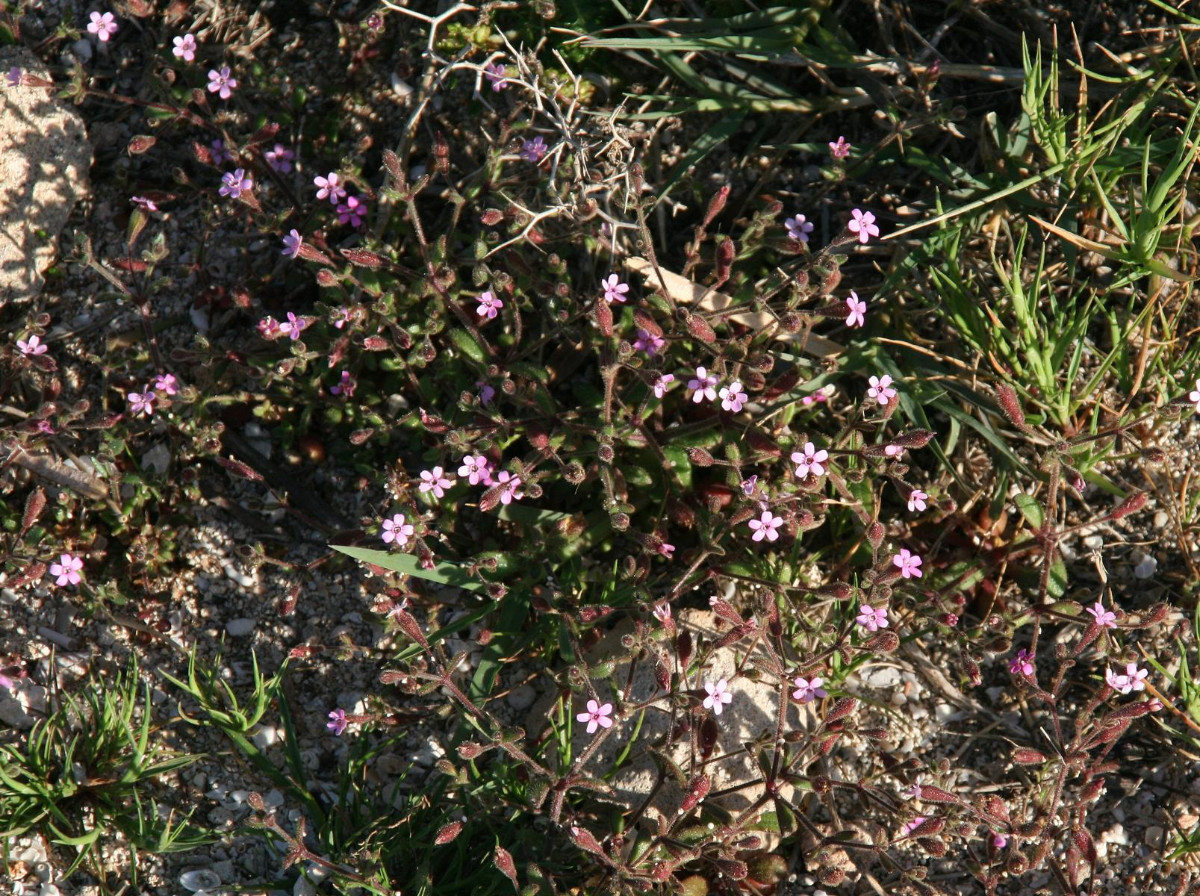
column 239, row 628
column 521, row 697
column 199, row 879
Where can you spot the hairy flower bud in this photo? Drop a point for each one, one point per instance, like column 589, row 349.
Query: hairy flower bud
column 491, row 217
column 700, row 457
column 1132, row 504
column 1007, row 396
column 699, row 328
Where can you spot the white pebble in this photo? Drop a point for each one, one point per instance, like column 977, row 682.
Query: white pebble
column 1146, row 567
column 199, row 879
column 239, row 628
column 239, row 578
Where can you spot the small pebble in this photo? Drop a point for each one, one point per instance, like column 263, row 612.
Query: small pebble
column 199, row 879
column 521, row 697
column 1161, row 518
column 239, row 578
column 1145, row 568
column 1153, row 836
column 239, row 628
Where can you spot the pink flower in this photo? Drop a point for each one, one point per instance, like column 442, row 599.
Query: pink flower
column 67, row 570
column 667, row 550
column 892, row 450
column 614, row 289
column 916, row 500
column 495, row 73
column 512, row 485
column 280, row 158
column 909, row 563
column 766, row 527
column 185, row 48
column 871, row 618
column 352, row 211
column 881, row 389
column 337, row 722
column 1194, row 396
column 662, row 384
column 858, row 310
column 220, row 154
column 662, row 612
column 435, row 481
column 219, row 82
column 330, row 186
column 533, row 150
column 489, row 305
column 166, row 382
column 807, row 691
column 345, row 386
column 141, row 402
column 912, row 824
column 1022, row 664
column 1104, row 618
column 235, row 183
column 649, row 343
column 31, row 346
column 294, row 326
column 292, row 243
column 999, row 841
column 396, row 530
column 144, row 203
column 13, row 76
column 798, row 228
column 732, row 397
column 597, row 716
column 863, row 224
column 1136, row 677
column 718, row 696
column 268, row 328
column 1118, row 682
column 477, row 469
column 703, row 386
column 810, row 461
column 343, row 315
column 749, row 485
column 840, row 150
column 103, row 26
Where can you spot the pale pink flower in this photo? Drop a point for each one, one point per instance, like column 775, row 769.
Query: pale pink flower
column 141, row 402
column 648, row 342
column 766, row 527
column 166, row 383
column 32, row 346
column 718, row 696
column 807, row 691
column 597, row 716
column 703, row 386
column 512, row 485
column 872, row 618
column 614, row 289
column 489, row 305
column 798, row 228
column 863, row 224
column 397, row 531
column 477, row 469
column 67, row 570
column 1104, row 618
column 495, row 73
column 909, row 564
column 1022, row 664
column 331, row 187
column 841, row 149
column 662, row 384
column 185, row 48
column 858, row 310
column 1194, row 396
column 881, row 389
column 435, row 481
column 103, row 26
column 810, row 461
column 916, row 500
column 220, row 82
column 732, row 397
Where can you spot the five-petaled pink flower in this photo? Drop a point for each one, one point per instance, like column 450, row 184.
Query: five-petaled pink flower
column 808, row 690
column 67, row 570
column 533, row 150
column 1022, row 664
column 732, row 397
column 872, row 618
column 220, row 82
column 143, row 203
column 597, row 716
column 489, row 305
column 294, row 326
column 396, row 530
column 650, row 343
column 280, row 158
column 166, row 382
column 881, row 389
column 1104, row 618
column 337, row 721
column 909, row 564
column 352, row 211
column 345, row 386
column 330, row 186
column 810, row 461
column 798, row 228
column 477, row 469
column 32, row 346
column 235, row 183
column 916, row 500
column 343, row 317
column 1194, row 396
column 292, row 243
column 435, row 481
column 495, row 73
column 863, row 223
column 841, row 149
column 1134, row 679
column 141, row 402
column 614, row 289
column 703, row 385
column 662, row 384
column 103, row 26
column 767, row 526
column 858, row 310
column 185, row 48
column 512, row 485
column 718, row 696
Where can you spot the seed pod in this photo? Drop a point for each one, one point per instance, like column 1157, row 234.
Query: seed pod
column 448, row 833
column 698, row 789
column 1027, row 756
column 491, row 217
column 699, row 328
column 716, row 204
column 1007, row 396
column 1132, row 504
column 700, row 457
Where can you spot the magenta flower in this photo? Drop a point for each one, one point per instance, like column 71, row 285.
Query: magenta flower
column 141, row 402
column 1194, row 396
column 798, row 228
column 1104, row 618
column 662, row 612
column 144, row 203
column 31, row 346
column 648, row 342
column 477, row 469
column 13, row 76
column 863, row 224
column 185, row 48
column 909, row 564
column 533, row 150
column 294, row 326
column 489, row 305
column 916, row 500
column 103, row 26
column 703, row 386
column 1022, row 664
column 667, row 550
column 766, row 526
column 352, row 211
column 807, row 691
column 220, row 82
column 999, row 841
column 718, row 696
column 858, row 310
column 1134, row 679
column 810, row 461
column 512, row 485
column 345, row 386
column 166, row 382
column 337, row 722
column 397, row 531
column 881, row 389
column 292, row 243
column 268, row 328
column 495, row 73
column 597, row 716
column 486, row 392
column 732, row 397
column 330, row 186
column 220, row 154
column 840, row 150
column 662, row 384
column 614, row 289
column 749, row 485
column 235, row 183
column 912, row 824
column 343, row 315
column 280, row 158
column 67, row 570
column 872, row 618
column 435, row 481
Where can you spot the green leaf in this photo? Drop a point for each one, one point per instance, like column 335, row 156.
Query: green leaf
column 1030, row 509
column 407, row 564
column 468, row 345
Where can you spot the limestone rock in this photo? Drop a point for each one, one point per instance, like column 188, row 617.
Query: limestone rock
column 44, row 162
